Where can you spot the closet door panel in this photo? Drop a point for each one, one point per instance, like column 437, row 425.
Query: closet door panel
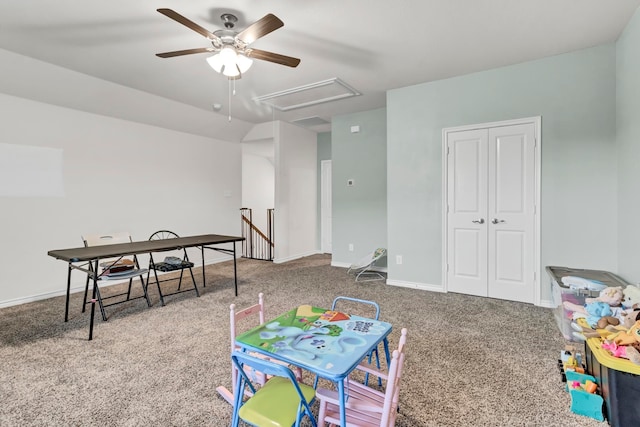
column 467, row 210
column 511, row 212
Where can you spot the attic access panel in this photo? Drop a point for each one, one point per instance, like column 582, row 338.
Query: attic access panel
column 307, row 95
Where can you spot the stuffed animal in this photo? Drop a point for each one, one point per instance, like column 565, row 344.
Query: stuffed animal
column 583, row 332
column 627, row 352
column 630, row 316
column 612, row 295
column 631, row 296
column 628, row 320
column 629, row 337
column 597, row 314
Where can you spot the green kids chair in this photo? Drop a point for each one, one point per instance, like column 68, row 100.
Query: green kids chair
column 281, row 402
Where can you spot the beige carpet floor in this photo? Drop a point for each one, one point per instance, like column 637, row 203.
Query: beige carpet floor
column 470, row 361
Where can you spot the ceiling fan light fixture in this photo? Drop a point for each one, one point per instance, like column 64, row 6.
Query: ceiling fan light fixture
column 228, row 55
column 243, row 62
column 231, row 70
column 229, row 62
column 230, row 46
column 215, row 62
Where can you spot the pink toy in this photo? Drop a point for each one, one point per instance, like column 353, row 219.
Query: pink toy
column 615, row 349
column 623, row 351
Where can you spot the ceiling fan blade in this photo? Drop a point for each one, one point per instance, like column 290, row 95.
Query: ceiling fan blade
column 185, row 52
column 260, row 28
column 188, row 23
column 273, row 57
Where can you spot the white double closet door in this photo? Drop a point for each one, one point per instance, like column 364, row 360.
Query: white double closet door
column 491, row 196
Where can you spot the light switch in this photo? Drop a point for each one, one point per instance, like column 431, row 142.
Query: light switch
column 355, row 129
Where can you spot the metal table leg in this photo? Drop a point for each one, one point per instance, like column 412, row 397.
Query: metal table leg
column 93, row 300
column 235, row 270
column 204, row 282
column 66, row 307
column 343, row 403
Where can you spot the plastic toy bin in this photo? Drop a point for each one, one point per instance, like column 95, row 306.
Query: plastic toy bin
column 619, row 381
column 561, row 293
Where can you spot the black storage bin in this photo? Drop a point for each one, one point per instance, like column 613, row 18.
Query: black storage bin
column 620, row 389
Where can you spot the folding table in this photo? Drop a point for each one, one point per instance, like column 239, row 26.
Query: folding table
column 94, row 254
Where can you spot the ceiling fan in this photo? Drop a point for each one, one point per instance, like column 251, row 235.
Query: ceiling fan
column 233, row 55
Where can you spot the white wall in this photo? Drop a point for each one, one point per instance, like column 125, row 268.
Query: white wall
column 295, row 196
column 628, row 140
column 258, row 180
column 117, row 176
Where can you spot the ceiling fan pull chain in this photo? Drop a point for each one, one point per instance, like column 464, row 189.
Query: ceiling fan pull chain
column 229, row 100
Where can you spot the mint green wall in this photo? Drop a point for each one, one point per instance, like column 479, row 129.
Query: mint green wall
column 359, row 212
column 324, row 147
column 575, row 95
column 628, row 134
column 324, row 153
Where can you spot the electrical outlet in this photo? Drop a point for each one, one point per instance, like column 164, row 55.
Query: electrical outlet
column 398, row 259
column 350, row 247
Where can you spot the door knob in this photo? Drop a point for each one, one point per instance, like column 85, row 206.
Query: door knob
column 478, row 221
column 496, row 220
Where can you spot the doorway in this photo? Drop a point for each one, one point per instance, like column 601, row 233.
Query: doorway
column 491, row 216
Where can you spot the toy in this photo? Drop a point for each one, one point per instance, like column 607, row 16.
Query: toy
column 612, row 295
column 629, row 319
column 631, row 296
column 589, row 386
column 584, row 398
column 583, row 332
column 626, row 352
column 570, row 361
column 630, row 316
column 598, row 314
column 628, row 337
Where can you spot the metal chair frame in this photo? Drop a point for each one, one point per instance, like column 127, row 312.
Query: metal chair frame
column 366, row 406
column 273, row 370
column 107, row 239
column 235, row 316
column 363, row 269
column 186, row 265
column 377, row 317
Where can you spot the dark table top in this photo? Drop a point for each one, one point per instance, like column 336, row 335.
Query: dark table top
column 132, row 248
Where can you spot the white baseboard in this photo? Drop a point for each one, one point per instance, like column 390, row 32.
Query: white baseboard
column 340, row 264
column 414, row 285
column 34, row 298
column 347, row 265
column 292, row 257
column 75, row 289
column 438, row 288
column 547, row 303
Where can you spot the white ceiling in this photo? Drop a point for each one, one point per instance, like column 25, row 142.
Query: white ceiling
column 372, row 45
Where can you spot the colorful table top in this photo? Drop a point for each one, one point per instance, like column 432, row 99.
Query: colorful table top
column 328, row 343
